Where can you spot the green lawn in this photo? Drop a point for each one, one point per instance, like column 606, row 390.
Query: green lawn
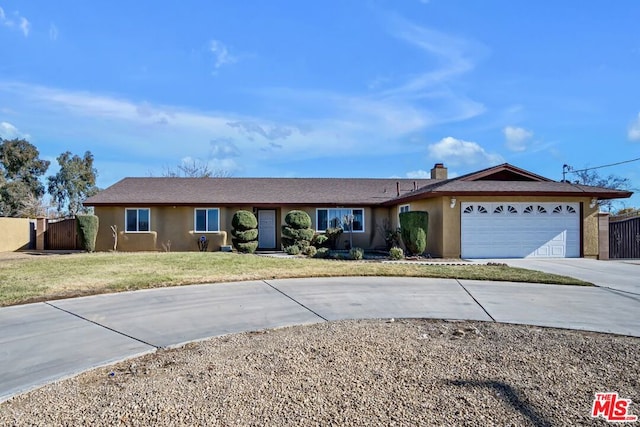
column 43, row 277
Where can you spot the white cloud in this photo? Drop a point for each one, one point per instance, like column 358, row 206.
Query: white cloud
column 419, row 174
column 221, row 54
column 53, row 32
column 23, row 24
column 517, row 138
column 9, row 131
column 634, row 130
column 459, row 152
column 454, row 56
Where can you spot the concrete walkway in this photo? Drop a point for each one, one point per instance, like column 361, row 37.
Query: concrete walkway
column 44, row 342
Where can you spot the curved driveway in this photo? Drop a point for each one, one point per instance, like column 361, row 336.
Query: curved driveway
column 45, row 342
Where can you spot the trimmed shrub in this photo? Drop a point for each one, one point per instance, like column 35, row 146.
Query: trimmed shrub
column 413, row 229
column 396, row 253
column 319, row 240
column 245, row 247
column 322, row 253
column 245, row 236
column 296, row 232
column 296, row 235
column 87, row 231
column 245, row 232
column 292, row 250
column 310, row 251
column 333, row 234
column 356, row 253
column 298, row 220
column 244, row 220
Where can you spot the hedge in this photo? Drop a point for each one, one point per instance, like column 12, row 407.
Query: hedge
column 87, row 231
column 413, row 229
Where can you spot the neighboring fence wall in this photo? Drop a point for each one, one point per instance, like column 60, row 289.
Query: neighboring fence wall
column 16, row 234
column 624, row 238
column 62, row 235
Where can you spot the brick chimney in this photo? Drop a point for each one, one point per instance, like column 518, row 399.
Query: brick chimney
column 439, row 171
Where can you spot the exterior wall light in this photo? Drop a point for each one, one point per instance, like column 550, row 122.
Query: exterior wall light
column 453, row 202
column 593, row 203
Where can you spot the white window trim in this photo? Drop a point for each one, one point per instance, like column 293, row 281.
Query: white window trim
column 206, row 218
column 408, row 206
column 137, row 220
column 346, row 231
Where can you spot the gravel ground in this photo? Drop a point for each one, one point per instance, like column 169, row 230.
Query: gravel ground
column 374, row 372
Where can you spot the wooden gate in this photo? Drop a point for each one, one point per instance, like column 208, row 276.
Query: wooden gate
column 61, row 235
column 624, row 238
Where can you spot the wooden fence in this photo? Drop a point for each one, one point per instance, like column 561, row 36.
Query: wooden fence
column 61, row 235
column 624, row 237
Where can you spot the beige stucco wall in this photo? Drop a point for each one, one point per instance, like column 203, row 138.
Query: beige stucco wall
column 435, row 233
column 175, row 225
column 171, row 228
column 15, row 234
column 371, row 238
column 443, row 239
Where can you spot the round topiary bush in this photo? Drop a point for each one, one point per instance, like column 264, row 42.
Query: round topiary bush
column 356, row 253
column 244, row 220
column 292, row 250
column 244, row 233
column 298, row 220
column 396, row 253
column 246, row 236
column 296, row 232
column 310, row 251
column 322, row 253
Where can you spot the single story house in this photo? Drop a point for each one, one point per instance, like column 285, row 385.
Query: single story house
column 501, row 211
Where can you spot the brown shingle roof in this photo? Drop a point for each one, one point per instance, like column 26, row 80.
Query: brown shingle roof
column 504, row 180
column 454, row 187
column 255, row 191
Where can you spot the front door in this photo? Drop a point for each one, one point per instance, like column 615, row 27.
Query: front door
column 267, row 229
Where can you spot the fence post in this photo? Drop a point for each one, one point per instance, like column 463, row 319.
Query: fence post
column 41, row 229
column 603, row 235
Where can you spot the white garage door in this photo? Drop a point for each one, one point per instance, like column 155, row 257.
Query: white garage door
column 520, row 230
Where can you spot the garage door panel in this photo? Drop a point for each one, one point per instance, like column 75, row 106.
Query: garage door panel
column 516, row 230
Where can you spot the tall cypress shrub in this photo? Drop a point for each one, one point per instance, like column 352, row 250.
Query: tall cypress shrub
column 297, row 231
column 87, row 231
column 245, row 232
column 413, row 229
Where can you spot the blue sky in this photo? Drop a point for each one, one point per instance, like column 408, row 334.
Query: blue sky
column 325, row 89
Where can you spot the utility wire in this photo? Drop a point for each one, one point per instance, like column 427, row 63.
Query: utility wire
column 571, row 170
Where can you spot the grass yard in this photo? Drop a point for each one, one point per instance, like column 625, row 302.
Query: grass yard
column 32, row 278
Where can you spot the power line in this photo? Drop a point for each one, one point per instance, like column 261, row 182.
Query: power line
column 566, row 168
column 605, row 166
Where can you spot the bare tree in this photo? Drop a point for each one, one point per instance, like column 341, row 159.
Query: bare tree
column 592, row 177
column 194, row 168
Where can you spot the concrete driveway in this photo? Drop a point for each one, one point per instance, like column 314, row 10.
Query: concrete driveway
column 44, row 342
column 621, row 275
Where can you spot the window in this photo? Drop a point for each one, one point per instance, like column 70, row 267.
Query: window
column 207, row 220
column 404, row 208
column 137, row 220
column 338, row 218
